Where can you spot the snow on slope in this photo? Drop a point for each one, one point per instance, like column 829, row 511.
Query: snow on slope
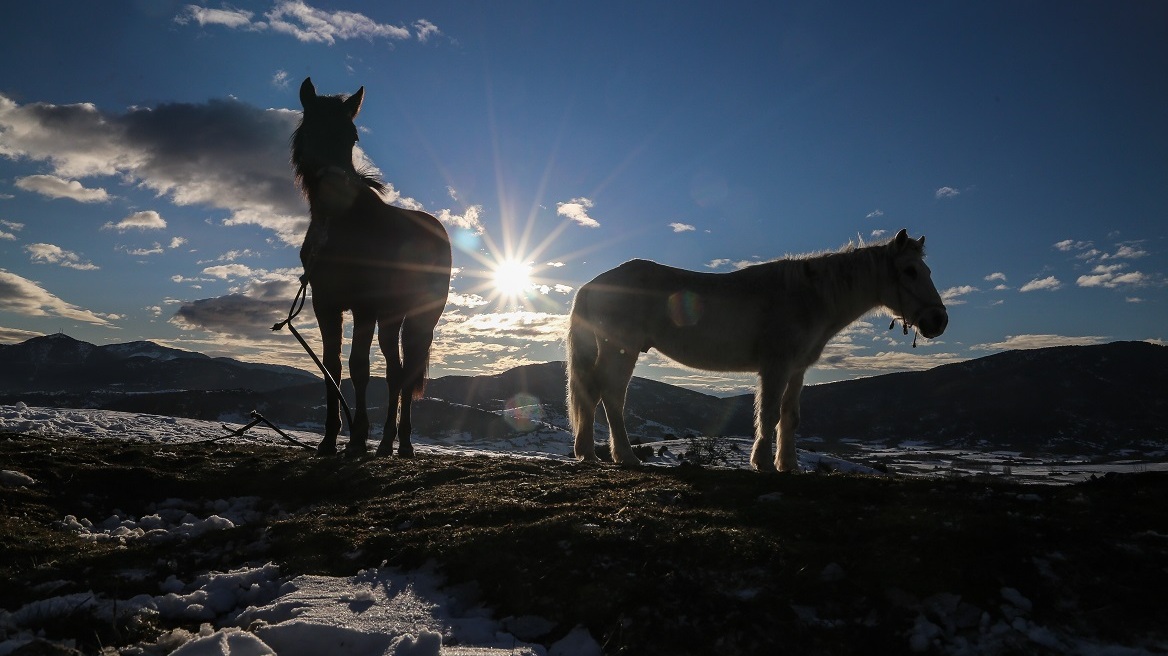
column 378, row 611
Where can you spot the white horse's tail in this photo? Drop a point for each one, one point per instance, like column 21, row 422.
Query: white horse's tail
column 583, row 390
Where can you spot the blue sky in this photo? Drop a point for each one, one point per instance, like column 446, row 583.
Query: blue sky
column 145, row 191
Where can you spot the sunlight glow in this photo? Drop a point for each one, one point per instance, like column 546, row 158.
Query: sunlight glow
column 512, row 278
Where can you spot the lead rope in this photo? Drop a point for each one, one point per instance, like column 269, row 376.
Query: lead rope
column 905, row 324
column 297, row 306
column 903, row 321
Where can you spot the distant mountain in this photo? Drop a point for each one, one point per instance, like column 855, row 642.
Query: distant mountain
column 60, row 364
column 1106, row 395
column 1081, row 398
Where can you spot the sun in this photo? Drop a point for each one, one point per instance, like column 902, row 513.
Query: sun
column 512, row 278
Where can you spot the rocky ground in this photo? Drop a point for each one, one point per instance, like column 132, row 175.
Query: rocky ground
column 677, row 560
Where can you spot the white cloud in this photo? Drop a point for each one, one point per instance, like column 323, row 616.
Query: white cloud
column 682, row 227
column 16, row 335
column 1049, row 283
column 312, row 25
column 53, row 254
column 280, row 79
column 1127, row 252
column 577, row 210
column 736, row 264
column 468, row 220
column 520, row 324
column 1068, row 245
column 1038, row 341
column 145, row 220
column 227, row 17
column 175, row 242
column 306, row 23
column 156, row 249
column 1111, row 276
column 953, row 295
column 995, row 276
column 13, row 226
column 947, row 192
column 55, row 187
column 23, row 296
column 874, row 214
column 225, row 271
column 425, row 29
column 466, row 300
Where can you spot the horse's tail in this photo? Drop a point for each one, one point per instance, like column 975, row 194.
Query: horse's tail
column 582, row 353
column 417, row 336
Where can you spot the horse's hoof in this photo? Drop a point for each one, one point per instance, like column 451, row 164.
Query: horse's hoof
column 384, row 451
column 405, row 451
column 354, row 452
column 767, row 468
column 329, row 450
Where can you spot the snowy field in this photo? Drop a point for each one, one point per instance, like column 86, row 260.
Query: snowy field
column 257, row 610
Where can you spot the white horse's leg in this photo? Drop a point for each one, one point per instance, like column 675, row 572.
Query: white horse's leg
column 615, row 369
column 583, row 394
column 787, row 460
column 767, row 398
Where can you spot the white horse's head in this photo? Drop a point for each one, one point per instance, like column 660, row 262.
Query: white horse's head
column 910, row 294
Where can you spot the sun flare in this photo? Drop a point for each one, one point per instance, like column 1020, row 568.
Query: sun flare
column 512, row 278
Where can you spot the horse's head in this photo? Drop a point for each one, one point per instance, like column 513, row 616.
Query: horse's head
column 326, row 135
column 910, row 293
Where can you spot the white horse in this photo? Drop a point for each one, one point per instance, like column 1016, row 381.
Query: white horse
column 773, row 318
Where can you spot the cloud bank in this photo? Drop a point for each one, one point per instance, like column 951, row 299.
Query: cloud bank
column 23, row 296
column 222, row 154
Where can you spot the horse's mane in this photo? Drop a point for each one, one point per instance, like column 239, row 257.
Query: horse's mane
column 835, row 272
column 366, row 173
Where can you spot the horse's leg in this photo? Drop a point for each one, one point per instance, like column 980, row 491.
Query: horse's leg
column 387, row 335
column 614, row 370
column 787, row 460
column 771, row 383
column 331, row 322
column 417, row 336
column 363, row 325
column 583, row 392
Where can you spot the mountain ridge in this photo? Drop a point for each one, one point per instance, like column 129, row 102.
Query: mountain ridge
column 1103, row 396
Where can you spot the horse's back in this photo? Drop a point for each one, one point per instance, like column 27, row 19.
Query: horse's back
column 379, row 255
column 705, row 320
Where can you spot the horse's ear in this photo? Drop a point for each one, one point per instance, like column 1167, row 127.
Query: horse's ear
column 901, row 238
column 353, row 103
column 921, row 241
column 307, row 92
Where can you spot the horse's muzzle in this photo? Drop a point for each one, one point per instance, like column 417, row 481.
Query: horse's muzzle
column 932, row 321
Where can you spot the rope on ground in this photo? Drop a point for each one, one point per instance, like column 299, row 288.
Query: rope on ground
column 257, row 418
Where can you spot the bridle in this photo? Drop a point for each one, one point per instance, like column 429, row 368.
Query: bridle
column 922, row 305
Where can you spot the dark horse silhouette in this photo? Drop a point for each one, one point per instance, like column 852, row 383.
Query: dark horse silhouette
column 389, row 266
